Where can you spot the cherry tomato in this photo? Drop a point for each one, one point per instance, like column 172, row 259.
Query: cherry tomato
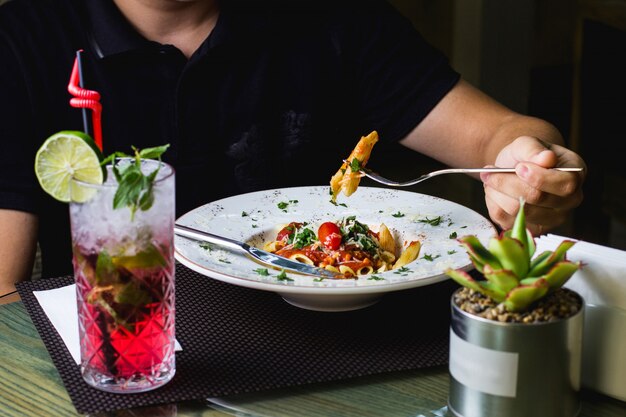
column 330, row 235
column 287, row 230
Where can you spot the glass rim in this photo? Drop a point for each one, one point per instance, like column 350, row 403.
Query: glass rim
column 116, row 184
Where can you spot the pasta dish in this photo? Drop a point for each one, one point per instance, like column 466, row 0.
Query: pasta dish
column 347, row 247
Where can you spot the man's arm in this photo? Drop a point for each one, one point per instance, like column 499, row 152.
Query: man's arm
column 18, row 245
column 469, row 129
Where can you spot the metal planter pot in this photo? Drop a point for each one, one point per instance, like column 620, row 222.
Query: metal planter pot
column 512, row 369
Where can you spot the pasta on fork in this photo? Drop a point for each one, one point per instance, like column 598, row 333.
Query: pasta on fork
column 347, row 178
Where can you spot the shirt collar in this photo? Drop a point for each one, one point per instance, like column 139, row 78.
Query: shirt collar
column 112, row 34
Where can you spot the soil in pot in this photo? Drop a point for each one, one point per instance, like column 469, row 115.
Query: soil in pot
column 560, row 304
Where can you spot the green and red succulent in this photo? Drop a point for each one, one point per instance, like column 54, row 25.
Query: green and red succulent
column 512, row 276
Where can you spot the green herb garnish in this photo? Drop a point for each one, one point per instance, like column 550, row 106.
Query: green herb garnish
column 376, row 278
column 355, row 165
column 403, row 270
column 262, row 271
column 452, row 235
column 430, row 258
column 355, row 232
column 135, row 189
column 398, row 214
column 283, row 276
column 302, row 237
column 433, row 222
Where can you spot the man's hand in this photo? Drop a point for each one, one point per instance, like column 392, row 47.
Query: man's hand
column 549, row 194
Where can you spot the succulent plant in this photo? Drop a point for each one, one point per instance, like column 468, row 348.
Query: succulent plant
column 512, row 276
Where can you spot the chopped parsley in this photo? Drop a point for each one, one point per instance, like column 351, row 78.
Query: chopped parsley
column 301, row 237
column 284, row 204
column 430, row 258
column 376, row 278
column 433, row 222
column 451, row 252
column 226, row 261
column 337, row 204
column 206, row 246
column 452, row 235
column 398, row 214
column 262, row 271
column 356, row 233
column 283, row 276
column 355, row 165
column 403, row 270
column 244, row 214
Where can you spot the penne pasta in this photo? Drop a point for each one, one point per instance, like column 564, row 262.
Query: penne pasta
column 347, row 178
column 302, row 258
column 347, row 271
column 272, row 246
column 408, row 255
column 387, row 243
column 364, row 270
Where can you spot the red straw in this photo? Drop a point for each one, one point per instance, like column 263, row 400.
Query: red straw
column 86, row 99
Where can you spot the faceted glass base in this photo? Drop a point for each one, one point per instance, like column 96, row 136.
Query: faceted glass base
column 134, row 384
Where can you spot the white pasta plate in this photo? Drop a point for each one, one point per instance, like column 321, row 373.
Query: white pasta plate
column 255, row 218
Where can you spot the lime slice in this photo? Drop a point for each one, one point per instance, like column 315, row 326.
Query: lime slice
column 66, row 155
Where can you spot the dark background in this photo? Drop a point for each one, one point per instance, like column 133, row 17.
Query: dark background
column 561, row 60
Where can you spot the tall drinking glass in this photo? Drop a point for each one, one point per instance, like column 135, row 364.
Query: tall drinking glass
column 124, row 271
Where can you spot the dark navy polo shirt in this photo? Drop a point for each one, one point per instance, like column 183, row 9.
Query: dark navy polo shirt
column 275, row 97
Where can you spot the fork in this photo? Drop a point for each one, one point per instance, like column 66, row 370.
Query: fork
column 382, row 180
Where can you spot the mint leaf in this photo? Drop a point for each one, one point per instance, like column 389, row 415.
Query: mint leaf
column 135, row 189
column 153, row 153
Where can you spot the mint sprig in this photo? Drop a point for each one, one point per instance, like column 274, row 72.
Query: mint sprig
column 135, row 189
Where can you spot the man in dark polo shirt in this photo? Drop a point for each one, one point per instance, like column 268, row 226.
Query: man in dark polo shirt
column 250, row 95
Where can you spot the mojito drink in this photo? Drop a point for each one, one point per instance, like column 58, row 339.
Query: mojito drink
column 124, row 271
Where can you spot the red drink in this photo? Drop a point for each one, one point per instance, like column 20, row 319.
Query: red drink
column 124, row 272
column 126, row 323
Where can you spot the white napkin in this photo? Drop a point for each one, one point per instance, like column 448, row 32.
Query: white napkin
column 602, row 280
column 602, row 283
column 60, row 306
